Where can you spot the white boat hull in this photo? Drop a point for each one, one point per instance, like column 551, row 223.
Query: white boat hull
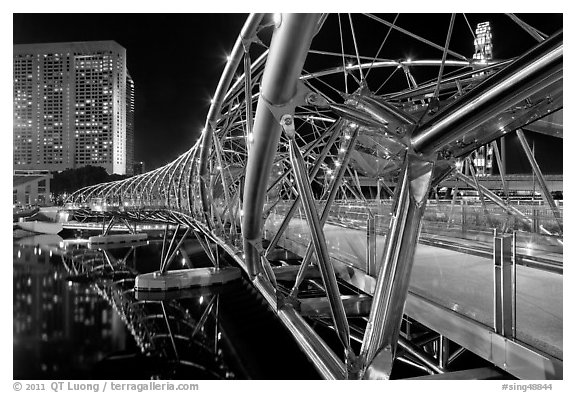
column 49, row 228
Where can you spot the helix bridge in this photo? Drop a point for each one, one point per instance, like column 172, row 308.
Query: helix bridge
column 310, row 112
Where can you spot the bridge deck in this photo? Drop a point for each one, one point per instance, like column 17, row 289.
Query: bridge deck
column 457, row 281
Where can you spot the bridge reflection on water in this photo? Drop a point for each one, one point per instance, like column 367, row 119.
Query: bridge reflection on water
column 76, row 316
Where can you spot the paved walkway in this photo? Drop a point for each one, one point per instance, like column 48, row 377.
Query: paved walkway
column 461, row 282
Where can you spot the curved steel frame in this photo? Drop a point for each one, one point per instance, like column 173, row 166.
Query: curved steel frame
column 238, row 172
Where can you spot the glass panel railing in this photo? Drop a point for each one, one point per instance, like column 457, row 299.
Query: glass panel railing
column 454, row 263
column 539, row 316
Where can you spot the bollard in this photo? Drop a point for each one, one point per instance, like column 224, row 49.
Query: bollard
column 503, row 305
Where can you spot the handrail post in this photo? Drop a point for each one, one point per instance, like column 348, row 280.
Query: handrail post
column 503, row 268
column 371, row 245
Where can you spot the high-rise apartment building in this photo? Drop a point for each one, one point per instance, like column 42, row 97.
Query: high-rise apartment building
column 71, row 104
column 129, row 125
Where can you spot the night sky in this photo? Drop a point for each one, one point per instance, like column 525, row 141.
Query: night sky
column 176, row 61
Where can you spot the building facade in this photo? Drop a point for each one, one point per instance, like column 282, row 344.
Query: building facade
column 70, row 106
column 31, row 188
column 130, row 92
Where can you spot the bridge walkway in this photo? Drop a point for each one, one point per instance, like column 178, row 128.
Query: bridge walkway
column 453, row 280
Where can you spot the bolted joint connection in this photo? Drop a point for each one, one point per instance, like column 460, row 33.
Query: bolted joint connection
column 287, row 123
column 433, row 106
column 315, row 99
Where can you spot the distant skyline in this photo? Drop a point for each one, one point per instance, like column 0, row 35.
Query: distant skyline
column 176, row 61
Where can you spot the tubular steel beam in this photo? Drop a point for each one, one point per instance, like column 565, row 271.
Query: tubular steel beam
column 248, row 31
column 444, row 53
column 421, row 356
column 529, row 29
column 174, row 252
column 328, row 365
column 248, row 93
column 313, row 172
column 288, row 51
column 319, row 241
column 545, row 192
column 381, row 337
column 326, row 211
column 480, row 193
column 517, row 81
column 501, row 167
column 495, row 198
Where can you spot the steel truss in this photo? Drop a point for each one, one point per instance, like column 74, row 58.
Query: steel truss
column 293, row 133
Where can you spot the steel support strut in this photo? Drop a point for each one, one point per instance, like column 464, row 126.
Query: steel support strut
column 501, row 167
column 545, row 192
column 495, row 198
column 288, row 50
column 319, row 241
column 317, row 165
column 380, row 340
column 325, row 212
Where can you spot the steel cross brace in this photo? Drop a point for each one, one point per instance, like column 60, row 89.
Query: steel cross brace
column 325, row 213
column 313, row 172
column 545, row 191
column 480, row 193
column 319, row 241
column 171, row 253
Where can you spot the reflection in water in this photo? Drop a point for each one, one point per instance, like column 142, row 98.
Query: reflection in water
column 77, row 316
column 58, row 326
column 73, row 307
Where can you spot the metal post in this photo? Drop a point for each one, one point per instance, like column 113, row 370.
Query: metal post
column 514, row 264
column 503, row 305
column 443, row 352
column 380, row 340
column 503, row 153
column 371, row 245
column 541, row 182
